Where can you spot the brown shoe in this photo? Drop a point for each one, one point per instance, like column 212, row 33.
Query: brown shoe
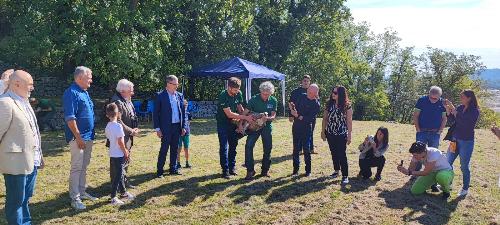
column 250, row 175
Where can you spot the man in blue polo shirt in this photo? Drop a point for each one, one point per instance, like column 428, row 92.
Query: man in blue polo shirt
column 79, row 132
column 429, row 118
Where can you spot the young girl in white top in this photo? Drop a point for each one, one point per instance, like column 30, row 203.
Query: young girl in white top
column 118, row 155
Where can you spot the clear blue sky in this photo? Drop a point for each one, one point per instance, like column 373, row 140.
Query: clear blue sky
column 460, row 26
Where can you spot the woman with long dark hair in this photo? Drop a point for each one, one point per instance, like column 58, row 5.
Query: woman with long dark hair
column 372, row 153
column 337, row 128
column 466, row 117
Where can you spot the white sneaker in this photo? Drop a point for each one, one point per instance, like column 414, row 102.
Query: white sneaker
column 463, row 193
column 127, row 195
column 77, row 204
column 345, row 180
column 87, row 196
column 116, row 201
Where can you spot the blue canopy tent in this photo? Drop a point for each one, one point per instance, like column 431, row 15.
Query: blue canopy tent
column 237, row 67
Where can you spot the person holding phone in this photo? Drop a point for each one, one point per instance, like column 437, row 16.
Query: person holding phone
column 436, row 169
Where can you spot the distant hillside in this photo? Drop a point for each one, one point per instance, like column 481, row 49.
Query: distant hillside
column 492, row 78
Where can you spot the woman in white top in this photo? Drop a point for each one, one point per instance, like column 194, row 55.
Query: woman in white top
column 372, row 153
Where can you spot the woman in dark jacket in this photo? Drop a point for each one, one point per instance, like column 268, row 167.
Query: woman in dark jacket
column 466, row 117
column 127, row 117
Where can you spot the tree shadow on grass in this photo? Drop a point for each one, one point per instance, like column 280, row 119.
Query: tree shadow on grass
column 185, row 191
column 299, row 188
column 259, row 188
column 60, row 207
column 357, row 184
column 434, row 210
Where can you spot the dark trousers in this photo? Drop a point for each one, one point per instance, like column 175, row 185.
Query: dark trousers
column 338, row 146
column 366, row 164
column 311, row 136
column 117, row 171
column 18, row 191
column 228, row 141
column 301, row 142
column 44, row 120
column 170, row 140
column 267, row 145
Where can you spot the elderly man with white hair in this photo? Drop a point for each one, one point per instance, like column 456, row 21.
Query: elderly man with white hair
column 266, row 104
column 127, row 118
column 79, row 131
column 430, row 119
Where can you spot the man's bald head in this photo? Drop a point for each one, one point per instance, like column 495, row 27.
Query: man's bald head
column 313, row 91
column 21, row 83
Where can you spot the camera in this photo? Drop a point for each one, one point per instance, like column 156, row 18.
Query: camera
column 371, row 139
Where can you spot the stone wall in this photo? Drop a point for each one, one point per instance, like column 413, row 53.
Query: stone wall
column 58, row 120
column 53, row 87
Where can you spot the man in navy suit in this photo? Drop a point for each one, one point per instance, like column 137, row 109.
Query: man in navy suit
column 169, row 120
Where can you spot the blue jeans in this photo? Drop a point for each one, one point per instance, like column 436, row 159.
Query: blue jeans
column 19, row 189
column 267, row 145
column 431, row 138
column 228, row 141
column 464, row 149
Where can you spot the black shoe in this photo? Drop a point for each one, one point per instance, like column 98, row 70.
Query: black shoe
column 308, row 174
column 265, row 174
column 378, row 178
column 187, row 165
column 226, row 175
column 334, row 175
column 131, row 186
column 445, row 195
column 295, row 172
column 435, row 189
column 250, row 175
column 233, row 173
column 159, row 176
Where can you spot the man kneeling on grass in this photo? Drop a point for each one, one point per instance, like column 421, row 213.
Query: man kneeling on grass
column 436, row 169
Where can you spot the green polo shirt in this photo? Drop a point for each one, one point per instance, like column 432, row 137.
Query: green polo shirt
column 225, row 101
column 256, row 104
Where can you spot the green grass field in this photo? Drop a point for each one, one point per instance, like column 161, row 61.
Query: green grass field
column 200, row 196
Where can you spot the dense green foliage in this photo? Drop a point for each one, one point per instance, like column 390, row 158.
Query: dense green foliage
column 146, row 40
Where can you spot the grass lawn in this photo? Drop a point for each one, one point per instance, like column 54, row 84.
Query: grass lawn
column 200, row 196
